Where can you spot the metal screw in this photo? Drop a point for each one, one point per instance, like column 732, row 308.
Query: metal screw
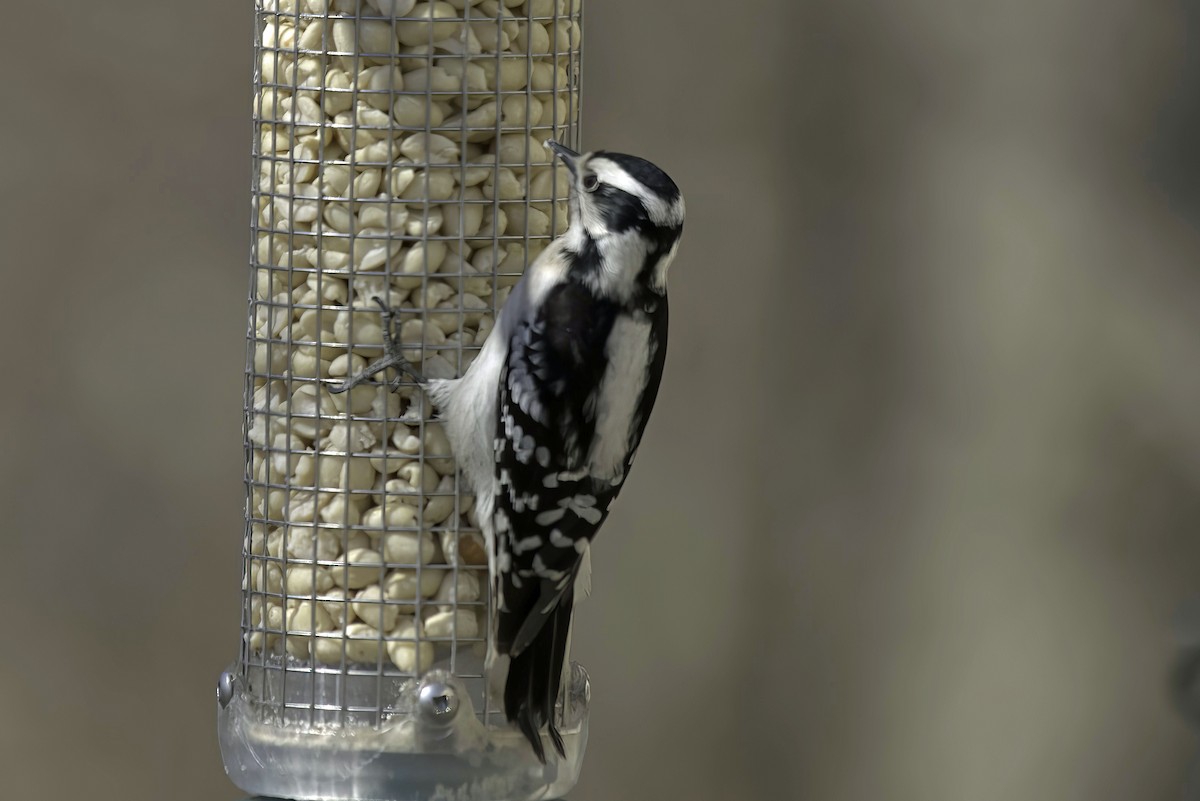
column 225, row 686
column 438, row 701
column 581, row 685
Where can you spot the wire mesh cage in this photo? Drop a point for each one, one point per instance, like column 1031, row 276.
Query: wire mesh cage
column 399, row 162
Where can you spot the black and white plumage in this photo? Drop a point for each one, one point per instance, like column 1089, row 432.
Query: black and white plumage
column 546, row 421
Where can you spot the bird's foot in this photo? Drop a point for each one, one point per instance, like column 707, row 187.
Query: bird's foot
column 392, row 357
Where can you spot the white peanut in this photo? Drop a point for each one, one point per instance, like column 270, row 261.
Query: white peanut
column 459, row 624
column 408, row 654
column 503, row 185
column 360, row 643
column 406, row 585
column 435, row 186
column 345, row 472
column 546, row 77
column 408, row 548
column 527, row 220
column 425, row 222
column 458, row 587
column 304, row 542
column 370, row 38
column 511, row 75
column 441, row 505
column 429, row 27
column 357, row 401
column 306, row 618
column 412, row 479
column 398, row 514
column 392, row 8
column 370, row 607
column 411, row 111
column 550, row 183
column 430, row 149
column 342, row 510
column 362, row 567
column 532, row 38
column 336, row 603
column 357, row 540
column 306, row 579
column 377, row 85
column 464, row 219
column 545, row 8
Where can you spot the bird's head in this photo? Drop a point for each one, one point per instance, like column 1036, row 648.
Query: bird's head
column 626, row 215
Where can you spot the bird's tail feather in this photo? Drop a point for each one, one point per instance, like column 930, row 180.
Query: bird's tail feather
column 535, row 677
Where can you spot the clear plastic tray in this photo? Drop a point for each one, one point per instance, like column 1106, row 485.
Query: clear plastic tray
column 430, row 744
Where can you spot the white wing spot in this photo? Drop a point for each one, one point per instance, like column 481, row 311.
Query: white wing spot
column 526, row 500
column 534, row 410
column 531, row 543
column 551, row 516
column 524, row 448
column 585, row 507
column 559, row 540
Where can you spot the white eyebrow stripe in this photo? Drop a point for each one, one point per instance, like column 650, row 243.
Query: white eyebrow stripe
column 677, row 211
column 661, row 213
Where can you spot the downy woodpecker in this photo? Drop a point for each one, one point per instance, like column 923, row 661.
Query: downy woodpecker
column 546, row 421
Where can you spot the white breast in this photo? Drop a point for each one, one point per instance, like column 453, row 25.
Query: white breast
column 617, row 398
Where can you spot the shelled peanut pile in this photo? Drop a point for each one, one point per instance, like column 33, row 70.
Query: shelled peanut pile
column 401, row 156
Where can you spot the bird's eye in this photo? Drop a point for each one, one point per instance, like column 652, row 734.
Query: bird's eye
column 590, row 182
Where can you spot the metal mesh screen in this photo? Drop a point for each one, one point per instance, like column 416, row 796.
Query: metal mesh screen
column 398, row 154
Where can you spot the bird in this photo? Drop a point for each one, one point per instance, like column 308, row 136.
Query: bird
column 546, row 421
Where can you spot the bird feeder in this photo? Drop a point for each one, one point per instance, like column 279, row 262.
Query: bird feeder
column 398, row 160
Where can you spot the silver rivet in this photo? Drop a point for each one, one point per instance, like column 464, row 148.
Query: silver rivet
column 438, row 701
column 581, row 685
column 225, row 689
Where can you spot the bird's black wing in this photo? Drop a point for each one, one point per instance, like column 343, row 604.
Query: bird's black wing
column 548, row 505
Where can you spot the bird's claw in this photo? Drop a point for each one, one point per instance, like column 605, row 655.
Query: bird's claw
column 392, row 358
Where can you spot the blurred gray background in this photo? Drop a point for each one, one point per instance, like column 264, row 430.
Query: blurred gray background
column 921, row 490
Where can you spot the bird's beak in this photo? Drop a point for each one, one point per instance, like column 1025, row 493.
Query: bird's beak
column 568, row 156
